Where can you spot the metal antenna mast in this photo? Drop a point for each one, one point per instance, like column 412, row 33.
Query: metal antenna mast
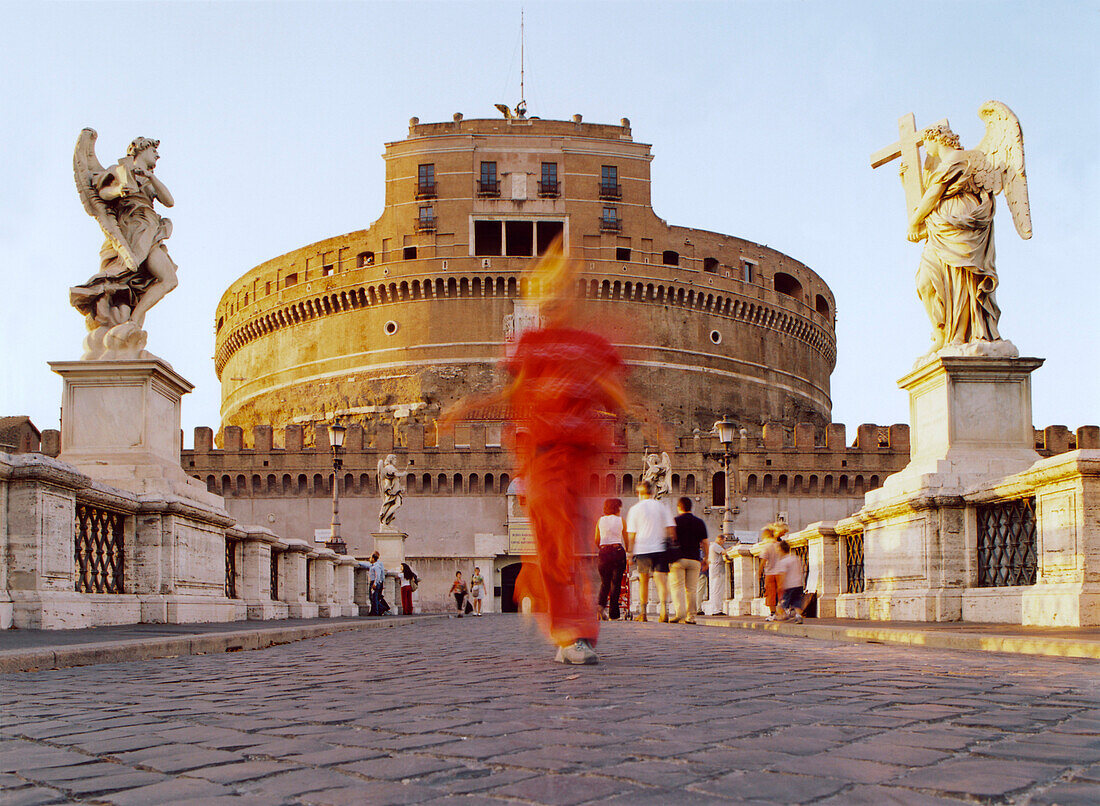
column 522, row 108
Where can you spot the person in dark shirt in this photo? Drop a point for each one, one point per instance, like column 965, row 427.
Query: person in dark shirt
column 691, row 543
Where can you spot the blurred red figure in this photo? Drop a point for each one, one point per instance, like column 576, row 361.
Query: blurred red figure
column 566, row 384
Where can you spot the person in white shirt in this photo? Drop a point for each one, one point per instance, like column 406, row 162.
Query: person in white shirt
column 649, row 530
column 610, row 543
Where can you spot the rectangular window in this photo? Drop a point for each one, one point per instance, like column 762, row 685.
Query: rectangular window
column 746, row 271
column 409, row 253
column 488, row 238
column 290, row 280
column 364, row 259
column 487, row 184
column 327, row 269
column 622, row 253
column 609, row 221
column 426, row 220
column 425, row 181
column 546, row 232
column 609, row 183
column 548, row 184
column 518, row 238
column 267, row 287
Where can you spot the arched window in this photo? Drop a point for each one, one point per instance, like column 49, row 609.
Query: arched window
column 689, row 484
column 364, row 484
column 257, row 484
column 594, row 485
column 426, row 483
column 489, row 482
column 504, row 482
column 609, row 484
column 718, row 489
column 628, row 484
column 319, row 486
column 675, row 483
column 822, row 306
column 302, row 483
column 349, row 483
column 456, row 486
column 473, row 483
column 441, row 484
column 272, row 484
column 241, row 487
column 769, row 483
column 670, row 257
column 750, row 483
column 787, row 284
column 288, row 484
column 211, row 484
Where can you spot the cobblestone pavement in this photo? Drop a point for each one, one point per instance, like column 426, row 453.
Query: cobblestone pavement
column 473, row 710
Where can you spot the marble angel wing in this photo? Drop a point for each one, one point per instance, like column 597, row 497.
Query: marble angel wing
column 86, row 170
column 1003, row 146
column 381, row 472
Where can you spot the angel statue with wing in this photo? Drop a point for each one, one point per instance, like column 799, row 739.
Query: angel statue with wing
column 393, row 493
column 957, row 277
column 135, row 271
column 658, row 472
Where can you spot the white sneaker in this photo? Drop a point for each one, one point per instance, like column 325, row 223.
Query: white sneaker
column 579, row 653
column 770, row 618
column 798, row 619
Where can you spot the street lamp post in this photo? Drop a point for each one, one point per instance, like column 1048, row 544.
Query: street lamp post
column 725, row 430
column 336, row 433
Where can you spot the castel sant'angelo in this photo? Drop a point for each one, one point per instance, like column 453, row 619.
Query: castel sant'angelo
column 387, row 327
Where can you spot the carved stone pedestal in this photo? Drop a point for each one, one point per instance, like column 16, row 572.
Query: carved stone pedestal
column 971, row 425
column 390, row 547
column 120, row 424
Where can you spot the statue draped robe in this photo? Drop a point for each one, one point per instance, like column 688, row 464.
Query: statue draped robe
column 957, row 277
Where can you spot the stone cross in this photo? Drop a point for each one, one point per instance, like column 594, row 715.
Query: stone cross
column 909, row 140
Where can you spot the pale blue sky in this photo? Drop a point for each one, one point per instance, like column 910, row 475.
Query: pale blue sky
column 762, row 117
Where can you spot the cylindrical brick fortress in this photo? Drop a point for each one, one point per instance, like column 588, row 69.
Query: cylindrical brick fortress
column 412, row 314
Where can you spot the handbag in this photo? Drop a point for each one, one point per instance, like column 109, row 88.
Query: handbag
column 412, row 584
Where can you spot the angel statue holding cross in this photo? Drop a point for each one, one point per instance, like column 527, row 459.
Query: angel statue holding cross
column 950, row 207
column 135, row 271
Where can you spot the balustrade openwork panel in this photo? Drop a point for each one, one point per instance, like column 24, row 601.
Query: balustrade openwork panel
column 1007, row 552
column 853, row 564
column 309, row 581
column 760, row 578
column 99, row 550
column 274, row 575
column 231, row 569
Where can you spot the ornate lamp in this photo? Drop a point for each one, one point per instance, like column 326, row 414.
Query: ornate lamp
column 336, row 433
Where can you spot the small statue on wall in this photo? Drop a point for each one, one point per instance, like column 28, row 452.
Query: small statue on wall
column 135, row 271
column 657, row 470
column 392, row 490
column 950, row 206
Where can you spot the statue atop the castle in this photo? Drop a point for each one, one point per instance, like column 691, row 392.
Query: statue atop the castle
column 657, row 470
column 392, row 490
column 950, row 206
column 135, row 271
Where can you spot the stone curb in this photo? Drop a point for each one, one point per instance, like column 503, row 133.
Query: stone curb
column 33, row 660
column 933, row 639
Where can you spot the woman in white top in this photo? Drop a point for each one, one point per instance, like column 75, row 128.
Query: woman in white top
column 611, row 542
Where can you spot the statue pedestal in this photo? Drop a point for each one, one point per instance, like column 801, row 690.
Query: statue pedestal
column 970, row 422
column 970, row 425
column 390, row 547
column 120, row 424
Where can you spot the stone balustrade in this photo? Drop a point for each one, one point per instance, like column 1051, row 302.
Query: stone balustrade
column 77, row 553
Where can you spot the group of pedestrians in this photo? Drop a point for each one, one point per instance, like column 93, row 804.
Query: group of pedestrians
column 667, row 550
column 784, row 579
column 468, row 598
column 670, row 550
column 376, row 579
